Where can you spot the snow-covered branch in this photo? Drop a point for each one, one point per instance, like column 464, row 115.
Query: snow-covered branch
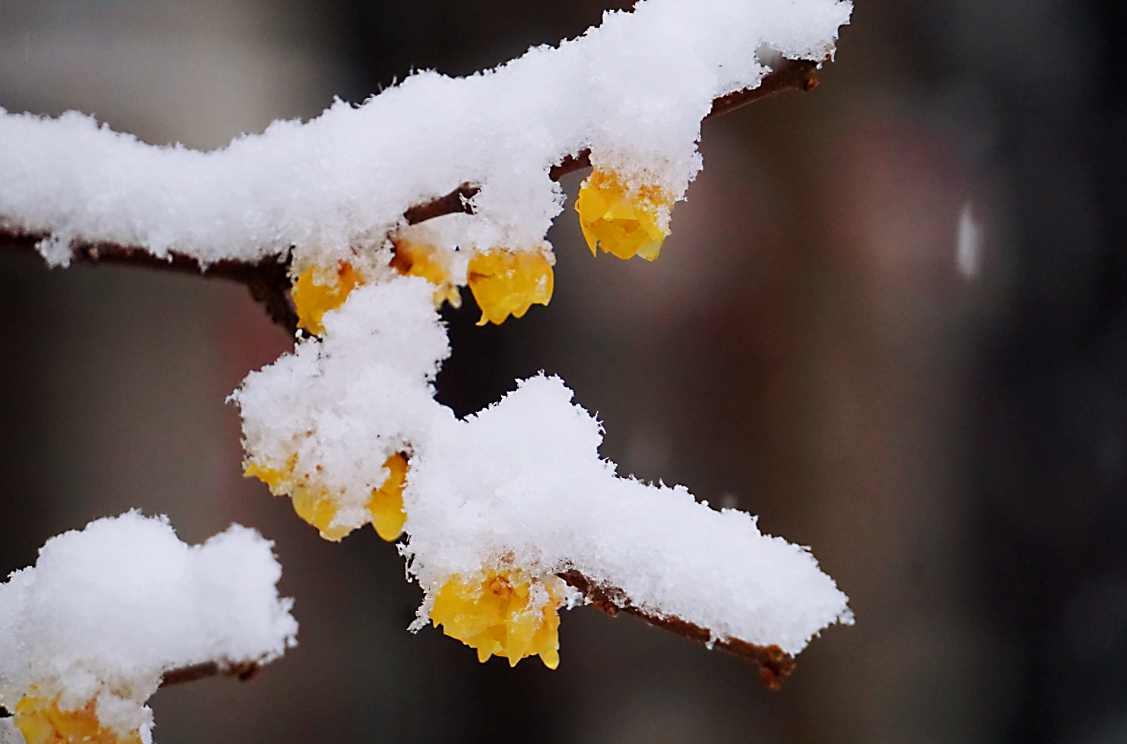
column 268, row 277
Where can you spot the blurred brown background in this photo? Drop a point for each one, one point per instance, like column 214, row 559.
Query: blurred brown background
column 949, row 436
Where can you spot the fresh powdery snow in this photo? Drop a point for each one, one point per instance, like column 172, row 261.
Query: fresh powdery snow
column 107, row 610
column 633, row 90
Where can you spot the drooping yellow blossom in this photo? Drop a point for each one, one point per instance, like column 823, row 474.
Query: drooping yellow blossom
column 313, row 504
column 312, row 299
column 505, row 613
column 621, row 220
column 280, row 480
column 318, row 506
column 41, row 722
column 386, row 506
column 418, row 259
column 508, row 282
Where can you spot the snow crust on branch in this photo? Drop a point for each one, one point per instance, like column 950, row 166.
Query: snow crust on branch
column 519, row 484
column 107, row 610
column 634, row 90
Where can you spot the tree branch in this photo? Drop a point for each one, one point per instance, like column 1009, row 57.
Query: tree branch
column 774, row 663
column 268, row 279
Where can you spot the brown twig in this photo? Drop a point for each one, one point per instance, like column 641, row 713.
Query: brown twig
column 774, row 663
column 244, row 670
column 791, row 75
column 268, row 279
column 456, row 201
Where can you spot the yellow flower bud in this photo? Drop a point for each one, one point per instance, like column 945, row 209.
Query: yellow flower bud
column 386, row 506
column 621, row 220
column 41, row 722
column 508, row 282
column 312, row 299
column 418, row 259
column 319, row 506
column 504, row 613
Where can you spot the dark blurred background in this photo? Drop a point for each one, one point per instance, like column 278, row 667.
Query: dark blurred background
column 891, row 320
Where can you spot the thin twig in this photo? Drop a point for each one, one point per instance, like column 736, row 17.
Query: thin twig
column 774, row 663
column 244, row 670
column 791, row 75
column 456, row 201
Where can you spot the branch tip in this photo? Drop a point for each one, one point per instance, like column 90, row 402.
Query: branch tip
column 243, row 670
column 774, row 663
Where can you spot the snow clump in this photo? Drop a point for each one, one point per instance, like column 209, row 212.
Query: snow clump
column 87, row 633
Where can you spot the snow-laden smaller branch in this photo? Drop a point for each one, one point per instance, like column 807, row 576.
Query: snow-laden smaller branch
column 243, row 670
column 506, row 502
column 791, row 74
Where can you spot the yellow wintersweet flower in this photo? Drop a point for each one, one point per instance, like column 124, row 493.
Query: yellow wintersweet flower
column 278, row 479
column 418, row 259
column 506, row 613
column 386, row 506
column 508, row 282
column 318, row 506
column 312, row 299
column 41, row 722
column 313, row 504
column 621, row 220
